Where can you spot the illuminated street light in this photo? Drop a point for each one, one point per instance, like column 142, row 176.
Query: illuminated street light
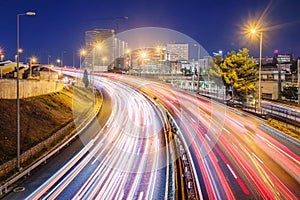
column 198, row 67
column 32, row 61
column 1, row 59
column 62, row 58
column 143, row 56
column 81, row 53
column 18, row 89
column 58, row 61
column 254, row 32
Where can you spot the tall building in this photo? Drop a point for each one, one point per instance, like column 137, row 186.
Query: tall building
column 177, row 52
column 99, row 44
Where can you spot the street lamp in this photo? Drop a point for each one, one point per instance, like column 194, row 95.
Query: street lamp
column 31, row 62
column 1, row 59
column 198, row 68
column 62, row 58
column 1, row 54
column 30, row 13
column 81, row 53
column 254, row 31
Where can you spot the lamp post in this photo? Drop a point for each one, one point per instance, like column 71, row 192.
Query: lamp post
column 254, row 31
column 30, row 13
column 81, row 53
column 1, row 59
column 198, row 68
column 62, row 59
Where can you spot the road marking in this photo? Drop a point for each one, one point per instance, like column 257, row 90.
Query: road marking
column 141, row 195
column 193, row 120
column 234, row 175
column 226, row 130
column 257, row 158
column 207, row 137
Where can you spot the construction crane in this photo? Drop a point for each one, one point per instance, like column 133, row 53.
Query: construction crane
column 116, row 19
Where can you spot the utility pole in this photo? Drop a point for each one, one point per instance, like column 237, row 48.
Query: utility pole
column 298, row 67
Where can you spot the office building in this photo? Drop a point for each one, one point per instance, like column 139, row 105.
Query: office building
column 176, row 52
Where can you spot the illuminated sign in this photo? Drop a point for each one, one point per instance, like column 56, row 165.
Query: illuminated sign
column 284, row 58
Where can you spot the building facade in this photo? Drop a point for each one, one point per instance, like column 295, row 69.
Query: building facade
column 177, row 52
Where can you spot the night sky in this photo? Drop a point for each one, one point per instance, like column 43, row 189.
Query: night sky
column 59, row 25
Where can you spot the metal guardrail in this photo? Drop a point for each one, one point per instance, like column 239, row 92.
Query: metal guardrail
column 46, row 157
column 194, row 189
column 282, row 111
column 280, row 134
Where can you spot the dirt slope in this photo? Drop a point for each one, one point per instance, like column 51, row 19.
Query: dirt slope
column 40, row 117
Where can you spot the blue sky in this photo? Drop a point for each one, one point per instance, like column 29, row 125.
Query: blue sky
column 59, row 25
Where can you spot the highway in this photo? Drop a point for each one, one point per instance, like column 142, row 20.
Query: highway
column 234, row 156
column 125, row 160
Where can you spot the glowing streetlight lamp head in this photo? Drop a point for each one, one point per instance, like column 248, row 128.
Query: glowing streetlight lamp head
column 33, row 59
column 252, row 31
column 82, row 52
column 144, row 55
column 98, row 46
column 127, row 51
column 158, row 48
column 30, row 13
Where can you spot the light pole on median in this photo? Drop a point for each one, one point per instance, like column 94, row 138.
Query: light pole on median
column 81, row 53
column 198, row 68
column 254, row 31
column 18, row 89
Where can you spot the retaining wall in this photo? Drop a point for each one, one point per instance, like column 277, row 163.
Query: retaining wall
column 28, row 88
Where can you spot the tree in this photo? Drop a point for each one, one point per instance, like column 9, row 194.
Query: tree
column 85, row 78
column 238, row 70
column 215, row 70
column 290, row 92
column 247, row 74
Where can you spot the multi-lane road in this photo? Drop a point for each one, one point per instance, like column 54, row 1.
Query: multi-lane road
column 232, row 155
column 125, row 160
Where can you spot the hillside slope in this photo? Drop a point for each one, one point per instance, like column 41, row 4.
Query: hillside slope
column 39, row 116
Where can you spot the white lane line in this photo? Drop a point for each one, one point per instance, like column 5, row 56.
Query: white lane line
column 207, row 137
column 141, row 196
column 226, row 130
column 234, row 175
column 257, row 158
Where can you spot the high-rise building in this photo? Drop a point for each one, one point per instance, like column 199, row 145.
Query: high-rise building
column 100, row 47
column 177, row 52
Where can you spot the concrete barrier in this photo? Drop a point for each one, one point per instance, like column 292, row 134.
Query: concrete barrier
column 28, row 88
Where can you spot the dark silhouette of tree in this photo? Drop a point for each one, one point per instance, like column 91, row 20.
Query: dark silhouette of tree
column 85, row 78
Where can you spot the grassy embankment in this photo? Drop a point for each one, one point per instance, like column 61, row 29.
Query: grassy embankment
column 40, row 118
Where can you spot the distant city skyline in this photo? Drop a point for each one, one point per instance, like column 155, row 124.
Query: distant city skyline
column 59, row 26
